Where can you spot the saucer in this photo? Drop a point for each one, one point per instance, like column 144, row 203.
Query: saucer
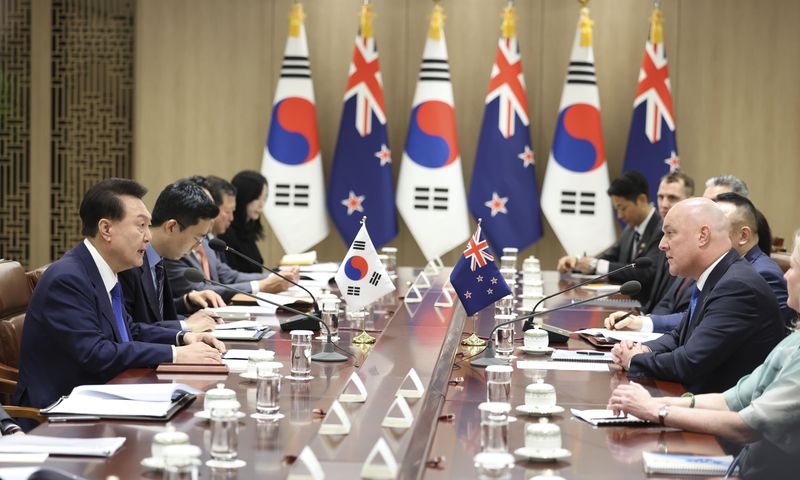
column 537, row 350
column 248, row 376
column 153, row 463
column 536, row 455
column 539, row 411
column 207, row 415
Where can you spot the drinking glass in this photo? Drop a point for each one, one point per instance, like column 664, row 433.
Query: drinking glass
column 494, row 426
column 268, row 389
column 504, row 336
column 330, row 315
column 301, row 355
column 504, row 306
column 391, row 261
column 498, row 383
column 224, row 435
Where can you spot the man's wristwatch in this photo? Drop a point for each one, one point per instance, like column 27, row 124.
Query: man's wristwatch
column 662, row 413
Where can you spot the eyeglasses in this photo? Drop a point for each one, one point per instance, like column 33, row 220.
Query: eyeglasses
column 197, row 239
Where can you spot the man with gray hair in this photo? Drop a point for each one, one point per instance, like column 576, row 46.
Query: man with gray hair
column 733, row 320
column 724, row 184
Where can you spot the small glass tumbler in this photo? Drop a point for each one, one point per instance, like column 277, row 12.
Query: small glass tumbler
column 504, row 306
column 225, row 435
column 498, row 383
column 330, row 315
column 301, row 355
column 504, row 336
column 391, row 261
column 268, row 390
column 494, row 426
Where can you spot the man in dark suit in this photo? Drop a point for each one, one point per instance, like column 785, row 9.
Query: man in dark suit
column 182, row 216
column 7, row 425
column 206, row 260
column 76, row 329
column 629, row 195
column 733, row 320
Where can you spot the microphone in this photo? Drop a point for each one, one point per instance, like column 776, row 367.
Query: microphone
column 219, row 245
column 326, row 355
column 641, row 262
column 629, row 288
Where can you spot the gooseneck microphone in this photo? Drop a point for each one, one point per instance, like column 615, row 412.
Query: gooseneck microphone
column 219, row 245
column 641, row 262
column 629, row 288
column 328, row 354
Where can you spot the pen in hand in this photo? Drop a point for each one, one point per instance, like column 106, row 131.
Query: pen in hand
column 616, row 321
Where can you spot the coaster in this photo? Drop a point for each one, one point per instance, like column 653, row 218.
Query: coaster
column 539, row 411
column 537, row 350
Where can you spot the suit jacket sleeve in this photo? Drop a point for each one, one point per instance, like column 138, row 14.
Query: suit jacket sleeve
column 714, row 340
column 180, row 285
column 132, row 293
column 74, row 318
column 666, row 323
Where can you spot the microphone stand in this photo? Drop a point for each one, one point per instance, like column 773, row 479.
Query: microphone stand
column 634, row 264
column 490, row 355
column 328, row 353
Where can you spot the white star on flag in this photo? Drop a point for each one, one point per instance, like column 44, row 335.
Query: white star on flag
column 497, row 204
column 384, row 155
column 353, row 203
column 673, row 161
column 526, row 157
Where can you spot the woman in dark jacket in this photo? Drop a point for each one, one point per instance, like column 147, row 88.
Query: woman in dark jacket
column 246, row 229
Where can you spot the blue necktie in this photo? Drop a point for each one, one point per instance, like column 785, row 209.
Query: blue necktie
column 693, row 302
column 116, row 304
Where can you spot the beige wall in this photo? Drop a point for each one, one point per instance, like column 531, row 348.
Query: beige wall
column 207, row 69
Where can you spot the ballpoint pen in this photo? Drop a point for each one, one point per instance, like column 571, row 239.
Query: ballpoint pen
column 616, row 321
column 589, row 352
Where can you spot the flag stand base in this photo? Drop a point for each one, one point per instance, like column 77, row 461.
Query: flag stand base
column 473, row 341
column 363, row 337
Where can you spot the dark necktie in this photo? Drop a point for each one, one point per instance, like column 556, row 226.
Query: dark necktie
column 693, row 302
column 160, row 287
column 116, row 305
column 635, row 246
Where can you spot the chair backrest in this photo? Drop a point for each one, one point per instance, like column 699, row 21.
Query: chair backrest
column 15, row 291
column 11, row 339
column 35, row 275
column 782, row 259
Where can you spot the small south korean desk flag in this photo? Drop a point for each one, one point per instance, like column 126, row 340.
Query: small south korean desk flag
column 362, row 278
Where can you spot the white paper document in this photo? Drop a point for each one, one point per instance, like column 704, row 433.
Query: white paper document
column 621, row 335
column 240, row 334
column 246, row 310
column 22, row 458
column 573, row 366
column 328, row 267
column 91, row 447
column 247, row 324
column 605, row 417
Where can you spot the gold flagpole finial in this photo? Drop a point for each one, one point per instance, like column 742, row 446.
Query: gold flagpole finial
column 366, row 19
column 509, row 27
column 479, row 221
column 585, row 24
column 437, row 22
column 364, row 220
column 656, row 25
column 296, row 17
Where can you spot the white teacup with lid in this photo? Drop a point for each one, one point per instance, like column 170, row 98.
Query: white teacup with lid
column 165, row 439
column 536, row 338
column 218, row 394
column 543, row 436
column 257, row 357
column 540, row 395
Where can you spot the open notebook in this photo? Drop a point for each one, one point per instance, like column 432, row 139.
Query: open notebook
column 601, row 418
column 679, row 464
column 143, row 401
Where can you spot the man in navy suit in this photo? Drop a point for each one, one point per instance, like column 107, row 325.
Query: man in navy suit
column 206, row 260
column 182, row 216
column 76, row 330
column 733, row 320
column 630, row 196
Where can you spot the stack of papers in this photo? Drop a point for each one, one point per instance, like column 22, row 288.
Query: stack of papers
column 329, row 267
column 244, row 311
column 90, row 447
column 307, row 258
column 582, row 356
column 606, row 417
column 145, row 400
column 620, row 335
column 573, row 366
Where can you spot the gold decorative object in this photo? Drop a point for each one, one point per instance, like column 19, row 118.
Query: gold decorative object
column 363, row 338
column 473, row 341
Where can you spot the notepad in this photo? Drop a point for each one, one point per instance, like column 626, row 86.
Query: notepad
column 582, row 356
column 90, row 447
column 145, row 401
column 678, row 464
column 601, row 418
column 242, row 335
column 572, row 366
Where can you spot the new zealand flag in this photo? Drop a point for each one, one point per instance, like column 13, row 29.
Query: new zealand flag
column 652, row 147
column 476, row 278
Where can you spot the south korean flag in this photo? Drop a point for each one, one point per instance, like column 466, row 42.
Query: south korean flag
column 362, row 278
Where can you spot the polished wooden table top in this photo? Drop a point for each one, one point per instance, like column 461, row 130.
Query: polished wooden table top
column 417, row 335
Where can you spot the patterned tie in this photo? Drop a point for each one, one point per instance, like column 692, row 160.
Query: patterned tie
column 116, row 305
column 160, row 287
column 204, row 261
column 635, row 246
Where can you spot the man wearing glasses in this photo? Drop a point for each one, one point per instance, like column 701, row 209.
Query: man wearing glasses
column 182, row 216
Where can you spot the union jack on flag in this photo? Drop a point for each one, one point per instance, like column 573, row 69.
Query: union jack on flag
column 652, row 146
column 477, row 251
column 508, row 84
column 364, row 82
column 476, row 278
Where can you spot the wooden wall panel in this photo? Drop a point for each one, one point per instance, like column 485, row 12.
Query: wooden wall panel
column 207, row 69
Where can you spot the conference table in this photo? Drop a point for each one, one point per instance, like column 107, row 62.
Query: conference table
column 445, row 432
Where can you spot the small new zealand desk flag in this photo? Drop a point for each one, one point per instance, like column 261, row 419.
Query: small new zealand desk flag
column 476, row 278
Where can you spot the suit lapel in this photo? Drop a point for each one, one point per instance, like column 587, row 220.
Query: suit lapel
column 102, row 296
column 651, row 235
column 150, row 294
column 708, row 288
column 211, row 255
